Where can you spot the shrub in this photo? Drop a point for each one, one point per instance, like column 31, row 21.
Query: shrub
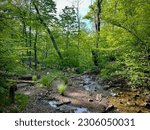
column 61, row 89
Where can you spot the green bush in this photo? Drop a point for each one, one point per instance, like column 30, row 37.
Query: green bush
column 61, row 89
column 21, row 102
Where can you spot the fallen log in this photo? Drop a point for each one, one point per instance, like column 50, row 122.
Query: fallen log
column 25, row 81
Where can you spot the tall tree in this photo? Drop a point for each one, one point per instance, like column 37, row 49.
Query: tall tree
column 45, row 13
column 76, row 5
column 95, row 15
column 68, row 22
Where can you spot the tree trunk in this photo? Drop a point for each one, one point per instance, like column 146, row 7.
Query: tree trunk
column 98, row 22
column 79, row 24
column 35, row 50
column 30, row 40
column 49, row 32
column 25, row 37
column 67, row 40
column 12, row 94
column 97, row 27
column 30, row 45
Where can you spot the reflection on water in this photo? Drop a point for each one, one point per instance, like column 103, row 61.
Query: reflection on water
column 67, row 108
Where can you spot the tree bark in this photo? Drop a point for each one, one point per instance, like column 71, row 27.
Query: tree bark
column 12, row 94
column 98, row 22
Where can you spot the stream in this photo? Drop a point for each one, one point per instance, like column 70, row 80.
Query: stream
column 89, row 83
column 93, row 84
column 85, row 94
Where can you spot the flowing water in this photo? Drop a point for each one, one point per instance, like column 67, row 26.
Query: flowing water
column 93, row 84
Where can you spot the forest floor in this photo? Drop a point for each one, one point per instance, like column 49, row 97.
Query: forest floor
column 85, row 94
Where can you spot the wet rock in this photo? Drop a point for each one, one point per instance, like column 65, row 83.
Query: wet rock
column 98, row 97
column 114, row 94
column 27, row 93
column 63, row 103
column 81, row 82
column 147, row 105
column 53, row 104
column 90, row 100
column 81, row 110
column 81, row 85
column 72, row 109
column 118, row 82
column 106, row 87
column 148, row 98
column 110, row 108
column 77, row 78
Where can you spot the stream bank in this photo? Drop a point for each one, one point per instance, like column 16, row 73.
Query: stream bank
column 85, row 94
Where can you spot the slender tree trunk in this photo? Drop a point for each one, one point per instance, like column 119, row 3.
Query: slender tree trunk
column 30, row 40
column 98, row 24
column 49, row 31
column 67, row 40
column 97, row 14
column 35, row 50
column 25, row 37
column 78, row 20
column 115, row 11
column 30, row 45
column 115, row 8
column 46, row 50
column 12, row 94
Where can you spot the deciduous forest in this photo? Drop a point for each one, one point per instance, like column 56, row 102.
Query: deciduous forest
column 54, row 61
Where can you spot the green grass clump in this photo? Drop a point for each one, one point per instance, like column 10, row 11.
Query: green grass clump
column 21, row 101
column 61, row 88
column 46, row 80
column 34, row 78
